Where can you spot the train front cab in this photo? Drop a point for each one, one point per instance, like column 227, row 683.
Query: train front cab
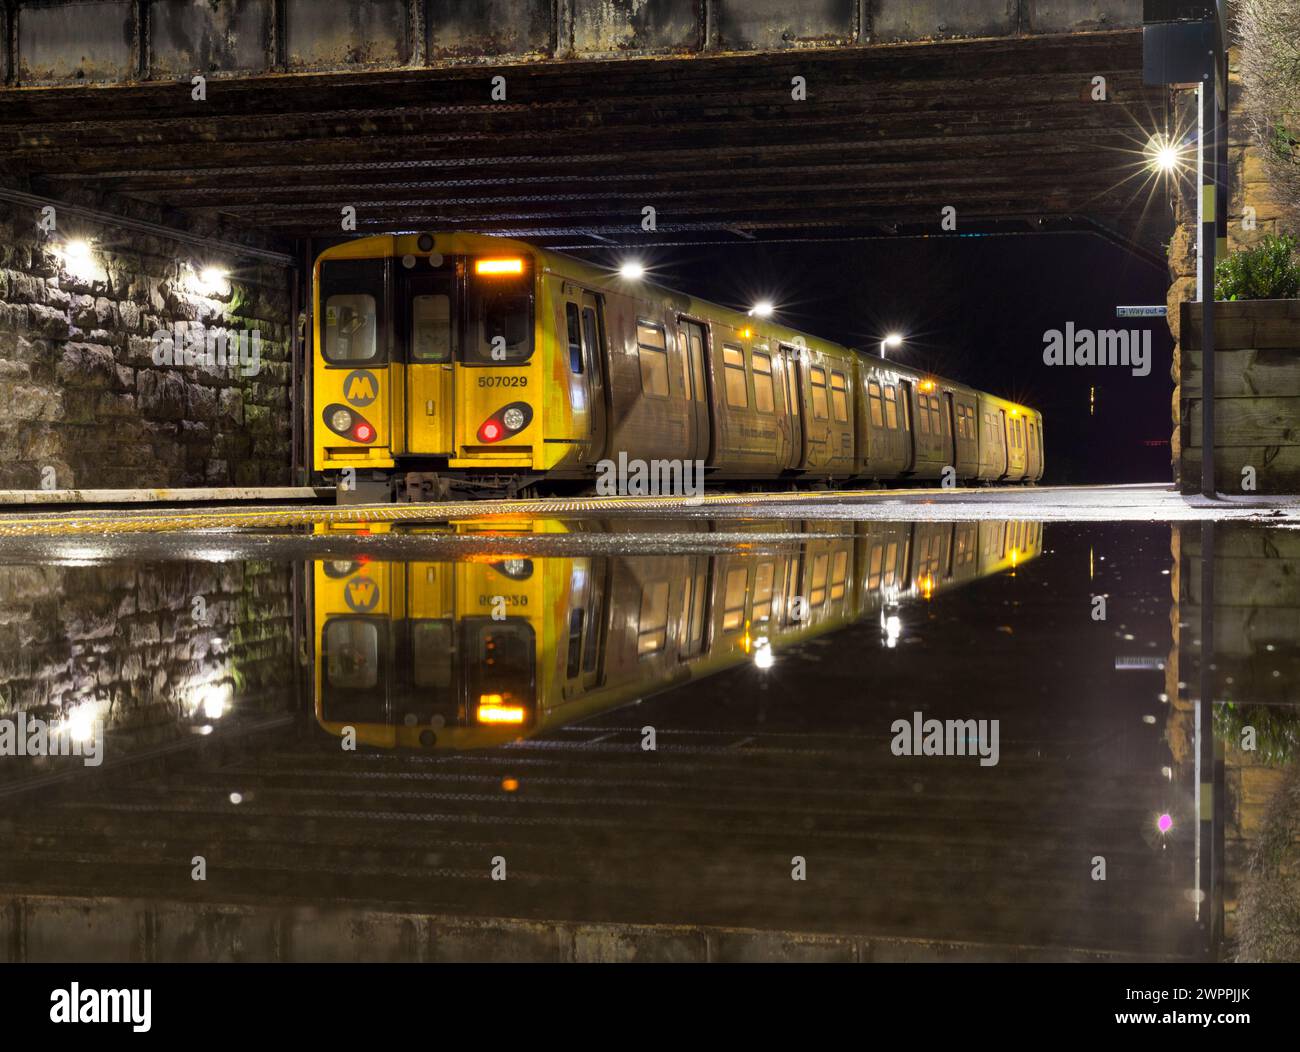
column 433, row 354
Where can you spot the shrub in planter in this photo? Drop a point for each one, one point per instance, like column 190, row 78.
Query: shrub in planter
column 1267, row 271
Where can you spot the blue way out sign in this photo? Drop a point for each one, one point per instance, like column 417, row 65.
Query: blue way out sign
column 1141, row 312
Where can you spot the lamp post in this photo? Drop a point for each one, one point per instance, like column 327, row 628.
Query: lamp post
column 892, row 340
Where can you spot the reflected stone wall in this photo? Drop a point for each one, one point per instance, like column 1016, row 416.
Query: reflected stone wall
column 124, row 638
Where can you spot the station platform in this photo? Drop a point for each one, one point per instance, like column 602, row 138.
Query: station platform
column 1131, row 503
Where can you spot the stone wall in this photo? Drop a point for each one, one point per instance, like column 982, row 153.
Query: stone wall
column 78, row 377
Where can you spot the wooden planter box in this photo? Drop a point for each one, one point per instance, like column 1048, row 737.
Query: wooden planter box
column 1257, row 395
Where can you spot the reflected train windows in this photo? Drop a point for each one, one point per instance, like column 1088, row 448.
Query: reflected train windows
column 352, row 653
column 839, row 573
column 763, row 581
column 652, row 628
column 817, row 594
column 500, row 659
column 874, row 567
column 573, row 664
column 432, row 649
column 733, row 603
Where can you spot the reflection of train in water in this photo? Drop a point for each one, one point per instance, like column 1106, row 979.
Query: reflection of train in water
column 410, row 654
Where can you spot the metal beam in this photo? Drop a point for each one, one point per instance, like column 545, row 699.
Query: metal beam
column 143, row 226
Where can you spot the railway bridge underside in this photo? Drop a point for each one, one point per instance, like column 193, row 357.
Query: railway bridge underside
column 578, row 124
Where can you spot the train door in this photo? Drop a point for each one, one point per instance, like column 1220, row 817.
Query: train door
column 691, row 337
column 905, row 422
column 1005, row 426
column 692, row 629
column 594, row 358
column 427, row 328
column 588, row 617
column 792, row 359
column 950, row 429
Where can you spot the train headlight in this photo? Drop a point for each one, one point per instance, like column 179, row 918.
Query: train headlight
column 508, row 420
column 341, row 420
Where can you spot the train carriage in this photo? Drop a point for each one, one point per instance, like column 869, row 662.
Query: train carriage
column 460, row 363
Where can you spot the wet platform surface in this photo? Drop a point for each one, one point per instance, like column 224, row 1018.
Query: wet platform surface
column 652, row 738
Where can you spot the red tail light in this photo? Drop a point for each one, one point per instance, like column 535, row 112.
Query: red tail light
column 508, row 420
column 363, row 432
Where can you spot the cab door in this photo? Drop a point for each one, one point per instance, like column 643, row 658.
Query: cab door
column 594, row 358
column 791, row 379
column 690, row 337
column 427, row 328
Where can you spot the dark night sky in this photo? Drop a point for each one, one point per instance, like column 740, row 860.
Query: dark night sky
column 974, row 309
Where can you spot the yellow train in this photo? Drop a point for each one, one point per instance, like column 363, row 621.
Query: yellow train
column 463, row 364
column 483, row 651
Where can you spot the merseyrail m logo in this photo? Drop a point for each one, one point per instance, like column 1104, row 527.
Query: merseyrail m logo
column 361, row 594
column 360, row 387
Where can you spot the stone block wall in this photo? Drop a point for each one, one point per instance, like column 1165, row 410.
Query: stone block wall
column 77, row 366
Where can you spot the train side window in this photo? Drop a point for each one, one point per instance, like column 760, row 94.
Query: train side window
column 733, row 603
column 891, row 407
column 653, row 352
column 923, row 421
column 683, row 341
column 575, row 337
column 733, row 365
column 936, row 417
column 877, row 409
column 891, row 563
column 817, row 376
column 652, row 629
column 840, row 397
column 764, row 397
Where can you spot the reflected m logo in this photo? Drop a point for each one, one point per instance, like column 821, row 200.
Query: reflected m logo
column 361, row 594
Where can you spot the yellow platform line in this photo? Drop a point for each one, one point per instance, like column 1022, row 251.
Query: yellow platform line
column 119, row 521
